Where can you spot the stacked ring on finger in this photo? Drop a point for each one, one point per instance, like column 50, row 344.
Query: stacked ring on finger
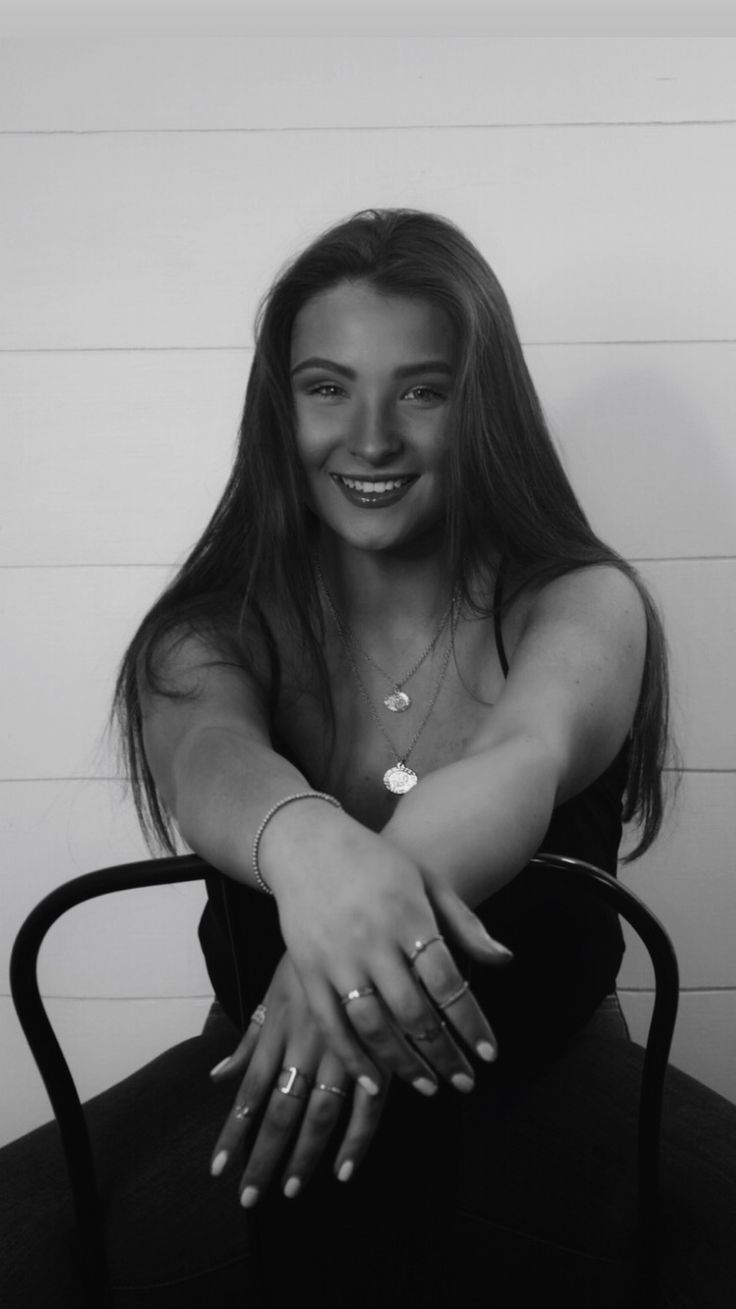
column 427, row 1033
column 456, row 995
column 333, row 1090
column 421, row 946
column 357, row 994
column 292, row 1075
column 259, row 1015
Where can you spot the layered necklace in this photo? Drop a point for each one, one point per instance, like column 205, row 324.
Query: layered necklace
column 399, row 778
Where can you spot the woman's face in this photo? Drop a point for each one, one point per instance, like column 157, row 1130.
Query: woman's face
column 372, row 378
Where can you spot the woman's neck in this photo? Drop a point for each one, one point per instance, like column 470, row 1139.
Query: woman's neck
column 407, row 591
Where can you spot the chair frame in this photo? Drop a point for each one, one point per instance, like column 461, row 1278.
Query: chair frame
column 568, row 874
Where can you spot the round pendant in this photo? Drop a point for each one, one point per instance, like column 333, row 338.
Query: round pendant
column 397, row 701
column 399, row 779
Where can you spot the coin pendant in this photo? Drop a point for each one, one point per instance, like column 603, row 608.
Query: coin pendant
column 397, row 701
column 399, row 779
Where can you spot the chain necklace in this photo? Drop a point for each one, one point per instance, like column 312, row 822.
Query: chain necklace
column 398, row 700
column 399, row 778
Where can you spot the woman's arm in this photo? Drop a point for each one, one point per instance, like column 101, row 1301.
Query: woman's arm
column 351, row 905
column 566, row 709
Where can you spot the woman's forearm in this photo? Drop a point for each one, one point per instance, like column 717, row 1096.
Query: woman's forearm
column 223, row 784
column 475, row 823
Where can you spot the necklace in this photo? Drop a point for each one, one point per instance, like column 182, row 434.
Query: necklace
column 398, row 700
column 399, row 778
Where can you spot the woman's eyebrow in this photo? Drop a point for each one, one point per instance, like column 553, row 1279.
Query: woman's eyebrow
column 405, row 370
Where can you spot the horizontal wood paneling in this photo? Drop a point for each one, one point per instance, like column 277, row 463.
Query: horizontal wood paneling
column 704, row 1044
column 121, row 457
column 372, row 82
column 161, row 240
column 68, row 629
column 103, row 1041
column 698, row 602
column 115, row 458
column 687, row 879
column 647, row 436
column 141, row 943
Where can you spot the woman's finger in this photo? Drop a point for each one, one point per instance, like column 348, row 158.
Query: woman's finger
column 250, row 1099
column 466, row 928
column 364, row 1119
column 450, row 993
column 238, row 1061
column 377, row 1031
column 278, row 1126
column 331, row 1097
column 340, row 1037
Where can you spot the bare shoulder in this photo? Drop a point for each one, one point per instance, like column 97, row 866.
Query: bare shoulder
column 600, row 598
column 575, row 671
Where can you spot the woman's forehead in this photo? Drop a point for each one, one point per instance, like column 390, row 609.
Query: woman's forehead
column 356, row 316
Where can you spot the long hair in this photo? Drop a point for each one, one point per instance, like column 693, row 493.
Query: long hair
column 508, row 496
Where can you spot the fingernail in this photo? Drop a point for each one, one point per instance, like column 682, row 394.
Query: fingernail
column 486, row 1051
column 346, row 1171
column 424, row 1086
column 218, row 1068
column 218, row 1163
column 369, row 1085
column 462, row 1082
column 498, row 947
column 292, row 1188
column 249, row 1196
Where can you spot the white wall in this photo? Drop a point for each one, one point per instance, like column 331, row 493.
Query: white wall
column 151, row 190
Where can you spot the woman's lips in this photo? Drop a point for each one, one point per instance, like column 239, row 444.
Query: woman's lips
column 373, row 492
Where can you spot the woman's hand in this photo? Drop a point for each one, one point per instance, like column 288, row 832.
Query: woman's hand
column 359, row 924
column 293, row 1098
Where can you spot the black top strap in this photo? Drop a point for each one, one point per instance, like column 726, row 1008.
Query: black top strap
column 497, row 602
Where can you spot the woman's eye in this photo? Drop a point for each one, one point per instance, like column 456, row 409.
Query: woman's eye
column 426, row 394
column 327, row 389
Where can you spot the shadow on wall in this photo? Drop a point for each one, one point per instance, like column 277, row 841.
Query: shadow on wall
column 646, row 434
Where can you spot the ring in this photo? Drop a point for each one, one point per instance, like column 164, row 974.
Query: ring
column 445, row 1004
column 427, row 1034
column 292, row 1074
column 421, row 946
column 259, row 1015
column 333, row 1090
column 242, row 1111
column 357, row 994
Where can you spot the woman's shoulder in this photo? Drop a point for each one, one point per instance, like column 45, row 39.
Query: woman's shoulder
column 601, row 599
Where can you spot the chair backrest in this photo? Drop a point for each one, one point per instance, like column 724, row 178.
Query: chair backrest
column 567, row 873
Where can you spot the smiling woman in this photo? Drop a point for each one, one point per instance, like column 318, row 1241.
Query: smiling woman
column 398, row 664
column 372, row 377
column 398, row 607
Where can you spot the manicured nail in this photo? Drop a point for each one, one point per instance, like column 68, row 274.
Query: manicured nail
column 462, row 1082
column 218, row 1163
column 424, row 1086
column 346, row 1171
column 249, row 1196
column 292, row 1188
column 486, row 1051
column 218, row 1068
column 369, row 1085
column 498, row 947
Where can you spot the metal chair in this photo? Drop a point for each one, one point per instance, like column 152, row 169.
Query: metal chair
column 566, row 873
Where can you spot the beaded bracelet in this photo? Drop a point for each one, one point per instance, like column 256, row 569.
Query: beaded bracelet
column 300, row 795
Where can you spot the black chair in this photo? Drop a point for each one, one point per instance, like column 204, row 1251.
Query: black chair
column 565, row 873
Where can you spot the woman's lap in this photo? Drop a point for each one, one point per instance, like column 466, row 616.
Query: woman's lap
column 522, row 1188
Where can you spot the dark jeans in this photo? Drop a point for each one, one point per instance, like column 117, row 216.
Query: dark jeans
column 521, row 1193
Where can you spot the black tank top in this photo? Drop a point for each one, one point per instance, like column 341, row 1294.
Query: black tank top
column 567, row 951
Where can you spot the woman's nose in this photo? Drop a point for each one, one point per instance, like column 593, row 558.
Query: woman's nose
column 374, row 435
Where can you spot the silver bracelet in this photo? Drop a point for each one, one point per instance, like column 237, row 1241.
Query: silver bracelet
column 300, row 795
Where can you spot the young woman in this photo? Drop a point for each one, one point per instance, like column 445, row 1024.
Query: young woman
column 397, row 664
